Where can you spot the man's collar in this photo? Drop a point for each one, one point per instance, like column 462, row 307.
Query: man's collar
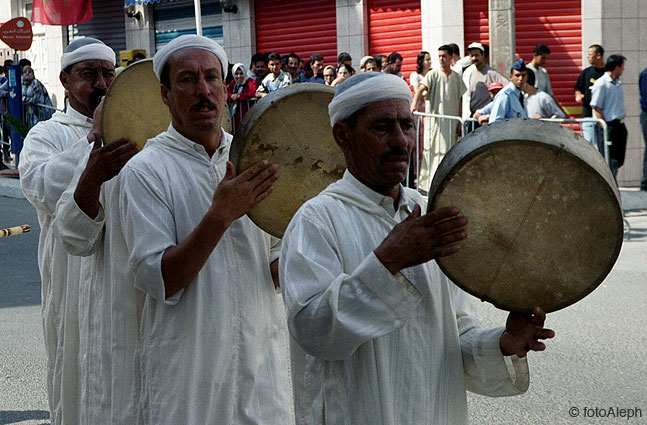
column 384, row 201
column 73, row 113
column 224, row 141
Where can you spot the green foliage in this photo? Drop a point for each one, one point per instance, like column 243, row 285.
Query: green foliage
column 19, row 125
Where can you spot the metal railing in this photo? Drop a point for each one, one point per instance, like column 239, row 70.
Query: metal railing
column 605, row 132
column 238, row 114
column 464, row 123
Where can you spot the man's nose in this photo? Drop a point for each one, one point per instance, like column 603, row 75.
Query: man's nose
column 101, row 82
column 201, row 87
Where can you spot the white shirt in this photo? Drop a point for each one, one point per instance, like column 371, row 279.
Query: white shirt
column 109, row 307
column 542, row 104
column 49, row 157
column 542, row 80
column 369, row 347
column 216, row 351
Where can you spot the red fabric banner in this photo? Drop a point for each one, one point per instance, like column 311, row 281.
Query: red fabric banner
column 61, row 12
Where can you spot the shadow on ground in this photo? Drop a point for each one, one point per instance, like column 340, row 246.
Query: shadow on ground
column 16, row 416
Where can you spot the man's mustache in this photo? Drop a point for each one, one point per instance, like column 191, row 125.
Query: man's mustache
column 95, row 97
column 204, row 102
column 395, row 153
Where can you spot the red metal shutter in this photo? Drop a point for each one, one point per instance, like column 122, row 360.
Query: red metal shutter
column 395, row 26
column 558, row 24
column 301, row 27
column 475, row 23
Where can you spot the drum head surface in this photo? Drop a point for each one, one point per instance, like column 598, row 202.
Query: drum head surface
column 289, row 127
column 133, row 106
column 544, row 218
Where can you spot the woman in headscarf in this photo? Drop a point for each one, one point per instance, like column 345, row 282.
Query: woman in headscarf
column 329, row 73
column 239, row 91
column 35, row 99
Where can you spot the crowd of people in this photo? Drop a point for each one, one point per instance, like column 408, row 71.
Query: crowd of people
column 163, row 303
column 465, row 87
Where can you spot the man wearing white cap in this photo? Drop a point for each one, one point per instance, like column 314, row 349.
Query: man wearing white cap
column 212, row 347
column 477, row 77
column 379, row 334
column 49, row 158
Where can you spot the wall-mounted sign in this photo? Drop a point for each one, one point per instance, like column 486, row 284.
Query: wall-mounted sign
column 17, row 33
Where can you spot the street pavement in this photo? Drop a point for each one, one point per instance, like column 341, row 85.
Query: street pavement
column 594, row 366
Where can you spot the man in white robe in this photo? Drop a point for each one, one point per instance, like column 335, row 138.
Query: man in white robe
column 442, row 89
column 379, row 334
column 51, row 152
column 213, row 342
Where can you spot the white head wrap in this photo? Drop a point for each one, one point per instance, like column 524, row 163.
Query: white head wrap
column 186, row 42
column 85, row 49
column 241, row 67
column 360, row 90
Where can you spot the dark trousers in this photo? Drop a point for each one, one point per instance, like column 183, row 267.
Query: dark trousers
column 618, row 137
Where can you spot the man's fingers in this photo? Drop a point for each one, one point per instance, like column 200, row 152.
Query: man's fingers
column 264, row 194
column 266, row 183
column 439, row 215
column 252, row 171
column 230, row 172
column 445, row 251
column 447, row 226
column 539, row 317
column 448, row 239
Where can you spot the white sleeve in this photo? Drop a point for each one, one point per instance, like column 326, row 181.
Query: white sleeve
column 330, row 312
column 486, row 370
column 45, row 170
column 81, row 235
column 147, row 225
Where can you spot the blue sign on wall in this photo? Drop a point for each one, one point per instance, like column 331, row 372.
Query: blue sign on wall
column 14, row 104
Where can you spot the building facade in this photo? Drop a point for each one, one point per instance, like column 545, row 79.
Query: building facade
column 363, row 27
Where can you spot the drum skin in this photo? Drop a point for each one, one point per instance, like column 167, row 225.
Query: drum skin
column 289, row 127
column 133, row 106
column 544, row 217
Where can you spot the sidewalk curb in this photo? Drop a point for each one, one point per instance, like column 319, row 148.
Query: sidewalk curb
column 10, row 188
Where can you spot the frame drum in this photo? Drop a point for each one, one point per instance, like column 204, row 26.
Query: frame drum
column 133, row 106
column 289, row 127
column 544, row 218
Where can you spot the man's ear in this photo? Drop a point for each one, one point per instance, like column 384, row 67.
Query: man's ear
column 164, row 91
column 343, row 135
column 62, row 76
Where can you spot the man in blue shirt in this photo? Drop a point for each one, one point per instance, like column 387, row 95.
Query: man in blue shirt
column 509, row 102
column 608, row 103
column 642, row 84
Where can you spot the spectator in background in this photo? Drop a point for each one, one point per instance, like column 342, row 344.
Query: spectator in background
column 258, row 67
column 423, row 66
column 317, row 64
column 542, row 81
column 381, row 61
column 37, row 105
column 591, row 131
column 608, row 102
column 477, row 77
column 330, row 73
column 444, row 89
column 307, row 71
column 301, row 67
column 458, row 63
column 368, row 64
column 483, row 115
column 642, row 86
column 540, row 104
column 239, row 92
column 275, row 79
column 509, row 103
column 344, row 57
column 394, row 65
column 343, row 73
column 293, row 69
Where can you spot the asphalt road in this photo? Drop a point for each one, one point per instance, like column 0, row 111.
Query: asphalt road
column 23, row 397
column 598, row 359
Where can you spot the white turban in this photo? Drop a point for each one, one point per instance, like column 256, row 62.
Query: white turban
column 360, row 90
column 85, row 49
column 187, row 42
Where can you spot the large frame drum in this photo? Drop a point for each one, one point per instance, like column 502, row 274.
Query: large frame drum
column 289, row 127
column 544, row 218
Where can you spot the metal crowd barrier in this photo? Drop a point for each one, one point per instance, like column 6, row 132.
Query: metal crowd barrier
column 238, row 113
column 594, row 142
column 442, row 119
